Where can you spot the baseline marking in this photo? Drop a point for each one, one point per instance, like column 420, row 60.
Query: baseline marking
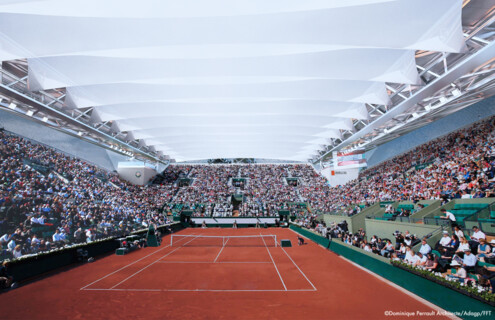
column 130, row 264
column 207, row 290
column 151, row 264
column 274, row 264
column 299, row 269
column 229, row 262
column 218, row 255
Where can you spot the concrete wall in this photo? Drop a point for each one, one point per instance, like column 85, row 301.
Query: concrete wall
column 354, row 222
column 136, row 174
column 385, row 229
column 358, row 220
column 342, row 176
column 462, row 118
column 330, row 218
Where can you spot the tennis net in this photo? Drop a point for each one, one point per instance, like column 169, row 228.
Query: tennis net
column 265, row 240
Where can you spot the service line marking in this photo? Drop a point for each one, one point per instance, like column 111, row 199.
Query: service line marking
column 128, row 265
column 146, row 267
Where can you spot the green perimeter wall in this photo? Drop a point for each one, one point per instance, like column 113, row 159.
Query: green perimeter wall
column 439, row 295
column 34, row 266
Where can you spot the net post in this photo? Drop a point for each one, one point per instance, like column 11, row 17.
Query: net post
column 171, row 239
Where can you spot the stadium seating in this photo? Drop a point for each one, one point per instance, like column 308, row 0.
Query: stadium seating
column 49, row 199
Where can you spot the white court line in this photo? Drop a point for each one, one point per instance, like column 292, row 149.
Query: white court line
column 150, row 264
column 130, row 264
column 145, row 290
column 390, row 283
column 214, row 262
column 299, row 269
column 218, row 255
column 244, row 262
column 274, row 264
column 207, row 290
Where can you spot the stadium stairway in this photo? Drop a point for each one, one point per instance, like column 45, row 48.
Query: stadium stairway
column 354, row 222
column 468, row 212
column 414, row 217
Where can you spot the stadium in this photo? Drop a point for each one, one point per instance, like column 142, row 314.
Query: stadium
column 214, row 159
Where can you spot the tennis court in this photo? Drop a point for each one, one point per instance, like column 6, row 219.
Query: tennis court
column 214, row 274
column 212, row 263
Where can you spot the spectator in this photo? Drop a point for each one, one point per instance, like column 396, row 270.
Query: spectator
column 432, row 262
column 412, row 259
column 483, row 249
column 444, row 241
column 458, row 232
column 57, row 237
column 460, row 272
column 449, row 250
column 475, row 239
column 402, row 251
column 490, row 257
column 463, row 246
column 448, row 216
column 6, row 280
column 425, row 247
column 5, row 239
column 367, row 248
column 421, row 260
column 17, row 253
column 477, row 234
column 469, row 261
column 387, row 249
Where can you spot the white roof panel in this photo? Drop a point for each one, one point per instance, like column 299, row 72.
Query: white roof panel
column 218, row 78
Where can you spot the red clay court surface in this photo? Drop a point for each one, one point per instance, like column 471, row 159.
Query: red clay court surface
column 212, row 282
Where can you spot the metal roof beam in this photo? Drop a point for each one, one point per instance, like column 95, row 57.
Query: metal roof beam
column 22, row 98
column 462, row 68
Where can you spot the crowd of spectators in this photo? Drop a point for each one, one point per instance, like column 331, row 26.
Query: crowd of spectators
column 65, row 200
column 263, row 188
column 452, row 251
column 458, row 165
column 48, row 198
